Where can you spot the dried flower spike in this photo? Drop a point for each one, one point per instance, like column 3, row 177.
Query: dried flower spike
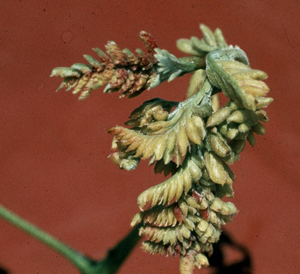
column 119, row 70
column 124, row 72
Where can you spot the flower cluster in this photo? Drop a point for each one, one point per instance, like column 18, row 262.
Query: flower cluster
column 193, row 140
column 184, row 215
column 122, row 71
column 118, row 70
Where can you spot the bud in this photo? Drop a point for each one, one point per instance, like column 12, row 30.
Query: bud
column 218, row 117
column 215, row 168
column 238, row 116
column 259, row 129
column 219, row 145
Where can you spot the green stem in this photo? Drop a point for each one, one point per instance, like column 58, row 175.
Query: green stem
column 115, row 258
column 76, row 258
column 118, row 254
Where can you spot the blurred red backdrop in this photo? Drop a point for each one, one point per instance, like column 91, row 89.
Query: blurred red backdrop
column 53, row 148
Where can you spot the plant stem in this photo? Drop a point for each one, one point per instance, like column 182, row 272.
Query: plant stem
column 76, row 258
column 116, row 256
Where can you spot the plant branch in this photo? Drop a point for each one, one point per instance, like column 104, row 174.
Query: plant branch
column 76, row 258
column 116, row 256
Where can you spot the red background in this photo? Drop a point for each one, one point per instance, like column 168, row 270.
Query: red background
column 53, row 148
